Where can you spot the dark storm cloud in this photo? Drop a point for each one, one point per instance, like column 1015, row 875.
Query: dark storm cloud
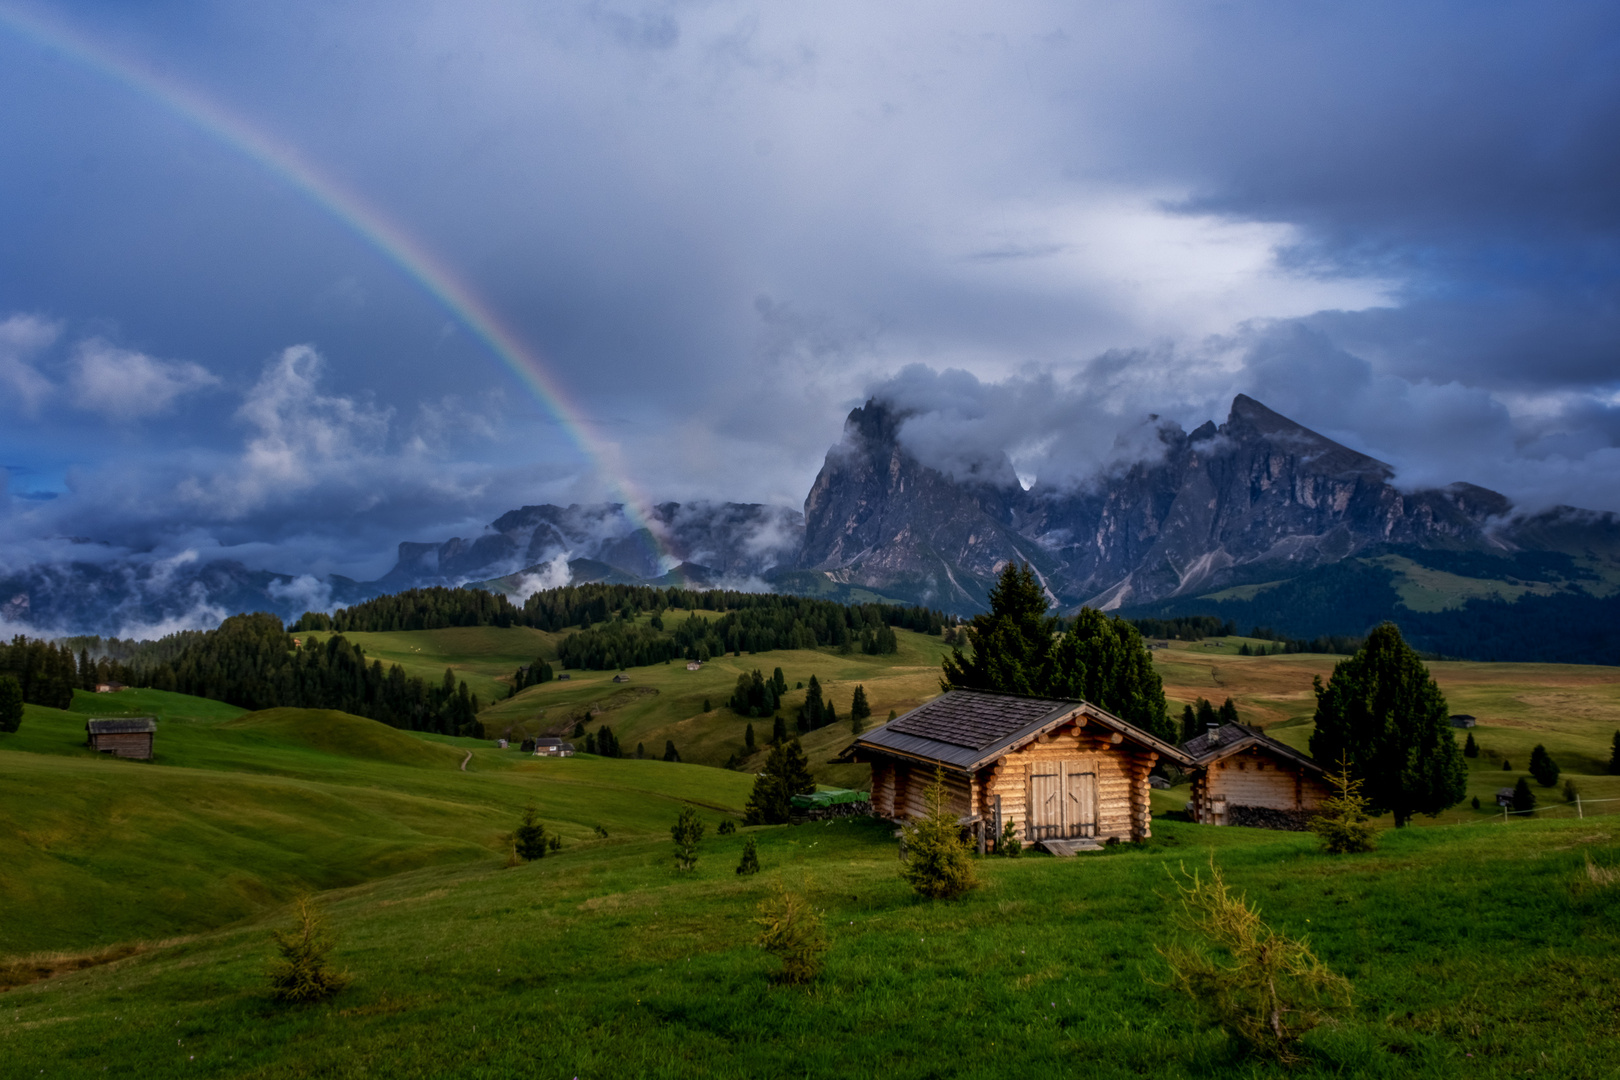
column 722, row 224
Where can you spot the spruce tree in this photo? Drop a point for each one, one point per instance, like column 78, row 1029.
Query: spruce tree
column 1523, row 797
column 1228, row 713
column 11, row 704
column 670, row 753
column 529, row 839
column 1543, row 767
column 779, row 683
column 937, row 860
column 686, row 832
column 1207, row 716
column 1011, row 643
column 1190, row 727
column 748, row 739
column 1383, row 714
column 786, row 774
column 811, row 712
column 750, row 858
column 778, row 731
column 859, row 710
column 1104, row 661
column 1470, row 747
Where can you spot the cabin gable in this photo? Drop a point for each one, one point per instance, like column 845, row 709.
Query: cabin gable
column 1244, row 778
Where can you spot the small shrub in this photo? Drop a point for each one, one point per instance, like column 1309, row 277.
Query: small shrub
column 1507, row 766
column 792, row 931
column 1571, row 792
column 1265, row 988
column 303, row 973
column 1008, row 844
column 686, row 832
column 937, row 863
column 727, row 827
column 529, row 841
column 1470, row 747
column 601, row 833
column 1476, row 802
column 554, row 843
column 1343, row 823
column 749, row 863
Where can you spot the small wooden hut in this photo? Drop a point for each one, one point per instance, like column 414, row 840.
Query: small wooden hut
column 1065, row 773
column 125, row 736
column 1241, row 777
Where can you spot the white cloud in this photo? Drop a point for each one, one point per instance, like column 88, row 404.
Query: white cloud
column 22, row 339
column 124, row 384
column 553, row 575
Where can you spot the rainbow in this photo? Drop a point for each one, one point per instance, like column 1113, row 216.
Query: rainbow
column 371, row 225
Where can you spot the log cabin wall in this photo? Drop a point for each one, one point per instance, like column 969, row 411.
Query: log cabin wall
column 1253, row 777
column 1121, row 770
column 883, row 787
column 136, row 744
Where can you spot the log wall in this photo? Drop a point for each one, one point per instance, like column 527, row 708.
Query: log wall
column 135, row 744
column 1254, row 777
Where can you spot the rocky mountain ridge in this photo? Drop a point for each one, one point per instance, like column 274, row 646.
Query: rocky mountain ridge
column 1252, row 501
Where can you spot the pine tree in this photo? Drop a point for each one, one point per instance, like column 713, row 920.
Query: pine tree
column 1228, row 713
column 1190, row 727
column 778, row 731
column 641, row 751
column 303, row 973
column 1207, row 716
column 1011, row 643
column 779, row 683
column 750, row 858
column 1470, row 747
column 1104, row 661
column 748, row 739
column 686, row 832
column 529, row 839
column 1543, row 767
column 937, row 862
column 811, row 713
column 859, row 710
column 1382, row 713
column 670, row 753
column 1523, row 797
column 786, row 774
column 11, row 704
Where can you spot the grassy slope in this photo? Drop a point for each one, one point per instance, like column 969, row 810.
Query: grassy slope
column 483, row 656
column 239, row 812
column 602, row 962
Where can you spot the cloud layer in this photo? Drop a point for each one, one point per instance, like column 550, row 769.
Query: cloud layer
column 722, row 225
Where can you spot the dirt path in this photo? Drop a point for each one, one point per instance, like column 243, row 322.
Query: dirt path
column 465, row 760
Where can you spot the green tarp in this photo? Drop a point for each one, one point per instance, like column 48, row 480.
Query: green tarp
column 830, row 797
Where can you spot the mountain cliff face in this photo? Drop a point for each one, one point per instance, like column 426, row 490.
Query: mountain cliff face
column 1259, row 497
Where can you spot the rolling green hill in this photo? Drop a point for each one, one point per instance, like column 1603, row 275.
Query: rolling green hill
column 162, row 880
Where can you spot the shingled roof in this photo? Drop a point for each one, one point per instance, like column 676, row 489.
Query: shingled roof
column 963, row 729
column 121, row 725
column 1229, row 739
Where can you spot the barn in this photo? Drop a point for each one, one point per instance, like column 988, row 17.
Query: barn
column 1066, row 774
column 125, row 736
column 1241, row 777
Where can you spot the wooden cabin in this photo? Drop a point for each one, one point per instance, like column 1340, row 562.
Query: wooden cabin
column 1066, row 774
column 1241, row 777
column 553, row 748
column 126, row 737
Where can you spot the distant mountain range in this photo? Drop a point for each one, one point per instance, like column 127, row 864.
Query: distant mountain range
column 1258, row 518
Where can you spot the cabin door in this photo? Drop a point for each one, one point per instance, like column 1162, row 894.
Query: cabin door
column 1046, row 801
column 1062, row 801
column 1081, row 812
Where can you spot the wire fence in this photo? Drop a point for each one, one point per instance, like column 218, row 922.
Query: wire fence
column 1576, row 808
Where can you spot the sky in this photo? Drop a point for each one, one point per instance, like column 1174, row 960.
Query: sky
column 713, row 228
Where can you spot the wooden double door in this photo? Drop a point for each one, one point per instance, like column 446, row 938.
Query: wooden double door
column 1062, row 800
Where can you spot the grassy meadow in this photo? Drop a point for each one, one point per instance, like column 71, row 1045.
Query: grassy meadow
column 136, row 898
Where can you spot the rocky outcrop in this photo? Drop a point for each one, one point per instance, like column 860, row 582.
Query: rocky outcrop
column 1258, row 497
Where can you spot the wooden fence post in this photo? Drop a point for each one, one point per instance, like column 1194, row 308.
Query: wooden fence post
column 1578, row 811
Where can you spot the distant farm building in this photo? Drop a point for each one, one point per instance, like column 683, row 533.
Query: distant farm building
column 1504, row 797
column 1241, row 777
column 1066, row 774
column 621, row 677
column 1462, row 720
column 553, row 748
column 110, row 687
column 693, row 665
column 126, row 737
column 564, row 677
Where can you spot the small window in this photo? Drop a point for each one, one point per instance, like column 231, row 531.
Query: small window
column 1241, row 766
